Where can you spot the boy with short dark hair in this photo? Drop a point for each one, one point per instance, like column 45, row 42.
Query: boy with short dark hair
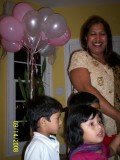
column 43, row 113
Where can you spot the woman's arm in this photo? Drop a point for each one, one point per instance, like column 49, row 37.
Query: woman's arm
column 114, row 146
column 80, row 79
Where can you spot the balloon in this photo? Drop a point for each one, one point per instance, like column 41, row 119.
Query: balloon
column 2, row 16
column 11, row 46
column 20, row 10
column 42, row 44
column 31, row 23
column 43, row 36
column 46, row 49
column 44, row 13
column 55, row 26
column 52, row 58
column 30, row 41
column 61, row 40
column 11, row 29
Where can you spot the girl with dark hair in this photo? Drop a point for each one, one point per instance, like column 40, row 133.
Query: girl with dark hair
column 83, row 98
column 85, row 133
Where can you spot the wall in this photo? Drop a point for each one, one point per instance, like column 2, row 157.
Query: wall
column 75, row 17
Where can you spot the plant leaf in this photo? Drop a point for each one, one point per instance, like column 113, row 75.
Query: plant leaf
column 24, row 120
column 40, row 86
column 43, row 67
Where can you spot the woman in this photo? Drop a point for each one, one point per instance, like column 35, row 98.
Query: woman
column 95, row 70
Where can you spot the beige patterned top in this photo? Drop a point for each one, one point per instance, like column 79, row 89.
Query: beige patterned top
column 101, row 78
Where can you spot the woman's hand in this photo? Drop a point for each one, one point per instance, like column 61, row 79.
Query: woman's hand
column 115, row 145
column 80, row 78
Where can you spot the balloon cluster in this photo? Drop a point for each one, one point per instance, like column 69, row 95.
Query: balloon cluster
column 39, row 30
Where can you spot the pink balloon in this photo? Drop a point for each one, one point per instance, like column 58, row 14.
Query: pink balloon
column 2, row 16
column 20, row 10
column 11, row 46
column 61, row 40
column 11, row 29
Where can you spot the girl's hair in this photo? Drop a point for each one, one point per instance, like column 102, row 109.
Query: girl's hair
column 81, row 98
column 75, row 117
column 111, row 57
column 41, row 106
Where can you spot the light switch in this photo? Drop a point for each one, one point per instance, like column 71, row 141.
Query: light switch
column 59, row 91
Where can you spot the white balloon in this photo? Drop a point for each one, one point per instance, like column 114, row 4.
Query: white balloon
column 31, row 23
column 55, row 26
column 46, row 49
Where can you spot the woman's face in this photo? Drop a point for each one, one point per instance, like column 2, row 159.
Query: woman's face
column 97, row 39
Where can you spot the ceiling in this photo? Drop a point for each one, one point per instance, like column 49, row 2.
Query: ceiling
column 64, row 3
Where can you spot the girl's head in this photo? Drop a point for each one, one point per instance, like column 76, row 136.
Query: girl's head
column 84, row 125
column 83, row 98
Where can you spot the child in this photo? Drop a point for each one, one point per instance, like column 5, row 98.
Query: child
column 85, row 98
column 85, row 133
column 43, row 113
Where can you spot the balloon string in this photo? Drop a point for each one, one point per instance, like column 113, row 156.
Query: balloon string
column 28, row 64
column 31, row 73
column 37, row 45
column 38, row 50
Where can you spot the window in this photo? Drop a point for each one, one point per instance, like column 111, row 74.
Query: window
column 17, row 133
column 74, row 44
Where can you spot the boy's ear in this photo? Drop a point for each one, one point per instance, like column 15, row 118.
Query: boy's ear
column 42, row 121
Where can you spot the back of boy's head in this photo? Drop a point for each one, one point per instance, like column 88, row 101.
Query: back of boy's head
column 75, row 117
column 41, row 106
column 81, row 98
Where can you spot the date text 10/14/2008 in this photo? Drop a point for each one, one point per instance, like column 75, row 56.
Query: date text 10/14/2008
column 15, row 136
